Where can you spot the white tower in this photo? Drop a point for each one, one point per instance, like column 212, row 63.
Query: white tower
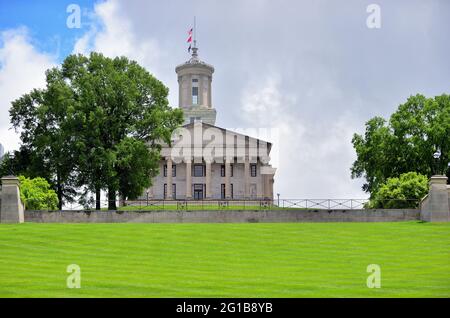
column 194, row 81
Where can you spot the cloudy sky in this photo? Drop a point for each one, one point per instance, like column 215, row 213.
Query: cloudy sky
column 311, row 73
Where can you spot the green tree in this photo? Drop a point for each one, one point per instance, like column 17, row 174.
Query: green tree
column 36, row 194
column 46, row 133
column 76, row 131
column 406, row 143
column 134, row 168
column 119, row 107
column 403, row 192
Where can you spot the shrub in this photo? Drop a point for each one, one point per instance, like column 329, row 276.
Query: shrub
column 37, row 195
column 403, row 192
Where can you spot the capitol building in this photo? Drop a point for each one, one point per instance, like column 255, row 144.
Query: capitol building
column 204, row 161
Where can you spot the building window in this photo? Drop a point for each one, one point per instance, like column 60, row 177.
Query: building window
column 222, row 191
column 199, row 191
column 174, row 191
column 194, row 119
column 194, row 95
column 195, row 80
column 253, row 169
column 199, row 170
column 222, row 170
column 174, row 170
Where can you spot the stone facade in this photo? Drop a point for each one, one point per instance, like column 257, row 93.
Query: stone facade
column 237, row 182
column 242, row 216
column 220, row 164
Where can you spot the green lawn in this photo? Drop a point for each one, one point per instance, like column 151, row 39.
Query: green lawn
column 225, row 260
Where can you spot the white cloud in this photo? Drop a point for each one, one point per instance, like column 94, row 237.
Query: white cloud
column 111, row 33
column 313, row 157
column 22, row 68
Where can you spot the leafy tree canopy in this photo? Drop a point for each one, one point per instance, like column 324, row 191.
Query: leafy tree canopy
column 77, row 132
column 403, row 192
column 36, row 194
column 404, row 143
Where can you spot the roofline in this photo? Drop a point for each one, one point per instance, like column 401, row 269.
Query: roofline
column 225, row 130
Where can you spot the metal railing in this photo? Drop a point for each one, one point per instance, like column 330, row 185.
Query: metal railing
column 252, row 204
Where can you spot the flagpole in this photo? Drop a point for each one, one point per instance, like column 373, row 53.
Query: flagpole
column 195, row 33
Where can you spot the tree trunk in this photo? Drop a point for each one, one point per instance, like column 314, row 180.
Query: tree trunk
column 59, row 192
column 97, row 199
column 111, row 199
column 60, row 197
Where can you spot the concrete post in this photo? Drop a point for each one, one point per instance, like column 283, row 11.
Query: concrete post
column 11, row 206
column 435, row 207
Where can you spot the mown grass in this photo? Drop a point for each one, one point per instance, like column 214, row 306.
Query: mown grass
column 225, row 260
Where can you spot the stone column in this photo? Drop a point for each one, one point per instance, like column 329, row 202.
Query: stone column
column 200, row 91
column 189, row 101
column 180, row 91
column 188, row 179
column 208, row 179
column 246, row 178
column 227, row 178
column 435, row 207
column 169, row 178
column 266, row 186
column 11, row 205
column 259, row 181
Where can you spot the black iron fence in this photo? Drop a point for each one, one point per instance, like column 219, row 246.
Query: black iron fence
column 260, row 204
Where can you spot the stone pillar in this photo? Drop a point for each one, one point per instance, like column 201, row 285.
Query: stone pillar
column 209, row 92
column 246, row 178
column 208, row 179
column 227, row 178
column 169, row 194
column 266, row 186
column 188, row 179
column 435, row 207
column 200, row 91
column 11, row 206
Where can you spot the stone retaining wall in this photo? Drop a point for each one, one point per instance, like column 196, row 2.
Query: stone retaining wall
column 235, row 216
